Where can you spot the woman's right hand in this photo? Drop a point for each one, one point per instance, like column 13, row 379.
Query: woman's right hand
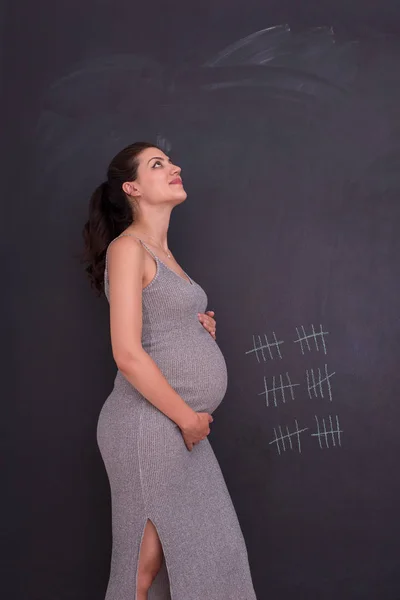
column 196, row 429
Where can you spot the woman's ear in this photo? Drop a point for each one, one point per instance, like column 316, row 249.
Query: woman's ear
column 129, row 188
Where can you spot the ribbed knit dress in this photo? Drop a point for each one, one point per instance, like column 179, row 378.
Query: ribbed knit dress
column 151, row 472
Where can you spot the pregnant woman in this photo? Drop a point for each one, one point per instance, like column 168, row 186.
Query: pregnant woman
column 175, row 530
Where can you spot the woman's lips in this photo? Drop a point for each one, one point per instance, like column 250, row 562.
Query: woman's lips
column 177, row 181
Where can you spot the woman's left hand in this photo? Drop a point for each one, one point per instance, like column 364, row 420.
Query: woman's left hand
column 206, row 319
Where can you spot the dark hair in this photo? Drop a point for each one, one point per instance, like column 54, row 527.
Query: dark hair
column 110, row 212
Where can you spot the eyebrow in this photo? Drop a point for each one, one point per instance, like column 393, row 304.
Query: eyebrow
column 159, row 157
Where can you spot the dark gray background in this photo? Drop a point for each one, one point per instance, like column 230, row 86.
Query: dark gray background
column 285, row 119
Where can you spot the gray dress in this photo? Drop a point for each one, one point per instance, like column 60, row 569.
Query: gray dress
column 153, row 475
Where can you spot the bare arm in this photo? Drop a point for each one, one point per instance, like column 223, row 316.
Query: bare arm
column 125, row 270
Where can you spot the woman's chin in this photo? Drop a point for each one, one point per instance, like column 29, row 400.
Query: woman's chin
column 180, row 197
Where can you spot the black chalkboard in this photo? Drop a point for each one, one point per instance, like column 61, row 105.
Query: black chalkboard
column 286, row 126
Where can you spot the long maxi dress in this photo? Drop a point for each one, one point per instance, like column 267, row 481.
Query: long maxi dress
column 151, row 472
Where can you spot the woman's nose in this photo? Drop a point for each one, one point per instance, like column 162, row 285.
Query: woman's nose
column 176, row 169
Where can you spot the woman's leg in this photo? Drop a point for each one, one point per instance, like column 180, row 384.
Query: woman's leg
column 150, row 560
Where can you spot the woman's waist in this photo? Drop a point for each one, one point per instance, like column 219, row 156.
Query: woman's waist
column 203, row 392
column 185, row 351
column 185, row 367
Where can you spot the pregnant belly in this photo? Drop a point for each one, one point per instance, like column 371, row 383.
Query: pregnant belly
column 194, row 366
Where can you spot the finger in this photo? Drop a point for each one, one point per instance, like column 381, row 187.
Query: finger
column 211, row 323
column 202, row 316
column 208, row 323
column 210, row 312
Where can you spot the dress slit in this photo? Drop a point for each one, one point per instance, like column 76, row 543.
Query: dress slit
column 165, row 558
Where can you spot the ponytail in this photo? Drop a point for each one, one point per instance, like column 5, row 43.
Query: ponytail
column 107, row 219
column 110, row 212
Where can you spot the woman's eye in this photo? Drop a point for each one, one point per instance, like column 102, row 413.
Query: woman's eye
column 158, row 162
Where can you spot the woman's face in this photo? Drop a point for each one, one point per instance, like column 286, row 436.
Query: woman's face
column 158, row 179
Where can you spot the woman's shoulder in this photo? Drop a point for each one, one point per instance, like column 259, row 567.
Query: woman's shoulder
column 126, row 247
column 125, row 240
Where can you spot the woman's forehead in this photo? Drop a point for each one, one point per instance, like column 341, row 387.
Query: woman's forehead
column 150, row 153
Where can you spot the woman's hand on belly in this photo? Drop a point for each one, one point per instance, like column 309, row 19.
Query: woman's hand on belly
column 208, row 322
